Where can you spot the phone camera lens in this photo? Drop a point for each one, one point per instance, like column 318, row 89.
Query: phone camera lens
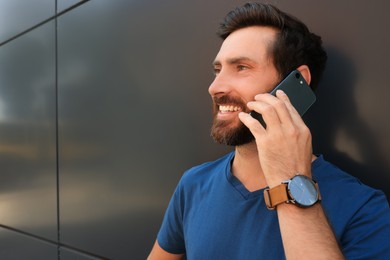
column 297, row 75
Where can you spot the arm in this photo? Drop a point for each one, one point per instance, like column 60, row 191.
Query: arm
column 170, row 236
column 284, row 149
column 158, row 253
column 306, row 233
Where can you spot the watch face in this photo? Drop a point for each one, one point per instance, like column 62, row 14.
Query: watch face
column 303, row 190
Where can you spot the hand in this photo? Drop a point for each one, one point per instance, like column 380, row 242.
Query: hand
column 284, row 146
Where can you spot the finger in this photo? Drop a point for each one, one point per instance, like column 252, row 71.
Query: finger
column 254, row 126
column 267, row 111
column 294, row 115
column 280, row 107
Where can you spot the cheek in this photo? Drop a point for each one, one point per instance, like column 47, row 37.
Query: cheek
column 261, row 86
column 250, row 93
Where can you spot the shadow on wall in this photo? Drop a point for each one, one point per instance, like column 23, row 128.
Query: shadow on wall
column 339, row 133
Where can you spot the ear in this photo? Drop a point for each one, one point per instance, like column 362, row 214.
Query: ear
column 305, row 71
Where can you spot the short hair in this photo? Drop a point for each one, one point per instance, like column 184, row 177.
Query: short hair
column 294, row 45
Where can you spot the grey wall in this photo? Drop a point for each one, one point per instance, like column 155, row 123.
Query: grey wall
column 103, row 107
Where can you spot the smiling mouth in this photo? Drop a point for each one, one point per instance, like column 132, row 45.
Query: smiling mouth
column 229, row 108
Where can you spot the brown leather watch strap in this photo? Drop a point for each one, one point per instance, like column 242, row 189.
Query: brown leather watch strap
column 278, row 195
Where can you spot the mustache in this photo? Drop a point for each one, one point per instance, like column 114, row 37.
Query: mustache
column 222, row 100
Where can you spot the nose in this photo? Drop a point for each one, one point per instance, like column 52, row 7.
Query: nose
column 220, row 85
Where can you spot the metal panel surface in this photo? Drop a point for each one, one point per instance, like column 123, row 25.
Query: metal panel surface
column 63, row 4
column 16, row 246
column 17, row 16
column 134, row 113
column 68, row 254
column 28, row 196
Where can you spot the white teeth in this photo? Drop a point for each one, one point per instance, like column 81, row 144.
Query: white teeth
column 229, row 108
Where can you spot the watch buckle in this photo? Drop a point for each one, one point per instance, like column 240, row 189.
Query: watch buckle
column 267, row 199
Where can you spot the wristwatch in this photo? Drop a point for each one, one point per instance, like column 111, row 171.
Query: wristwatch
column 300, row 190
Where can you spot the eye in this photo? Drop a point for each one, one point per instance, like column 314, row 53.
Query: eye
column 242, row 67
column 216, row 71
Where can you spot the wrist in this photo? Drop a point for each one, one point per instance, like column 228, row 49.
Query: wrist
column 300, row 190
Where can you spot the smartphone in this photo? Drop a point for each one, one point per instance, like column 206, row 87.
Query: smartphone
column 298, row 91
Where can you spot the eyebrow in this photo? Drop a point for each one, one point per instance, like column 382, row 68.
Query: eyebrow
column 235, row 60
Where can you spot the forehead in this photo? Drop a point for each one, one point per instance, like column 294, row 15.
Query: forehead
column 251, row 42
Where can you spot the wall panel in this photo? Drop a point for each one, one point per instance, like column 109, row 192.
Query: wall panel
column 68, row 254
column 28, row 193
column 63, row 4
column 130, row 104
column 17, row 16
column 16, row 246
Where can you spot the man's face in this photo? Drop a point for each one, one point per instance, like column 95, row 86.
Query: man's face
column 243, row 69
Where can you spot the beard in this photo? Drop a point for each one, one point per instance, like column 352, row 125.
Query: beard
column 230, row 132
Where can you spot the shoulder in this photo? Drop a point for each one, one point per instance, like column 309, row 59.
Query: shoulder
column 337, row 182
column 206, row 172
column 348, row 202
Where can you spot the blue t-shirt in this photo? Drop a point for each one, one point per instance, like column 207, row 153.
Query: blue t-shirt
column 213, row 216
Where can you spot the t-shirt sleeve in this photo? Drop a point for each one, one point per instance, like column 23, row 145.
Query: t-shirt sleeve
column 368, row 233
column 171, row 237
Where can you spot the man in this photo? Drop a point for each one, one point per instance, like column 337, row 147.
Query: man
column 219, row 209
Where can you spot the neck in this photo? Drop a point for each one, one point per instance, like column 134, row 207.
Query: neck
column 246, row 167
